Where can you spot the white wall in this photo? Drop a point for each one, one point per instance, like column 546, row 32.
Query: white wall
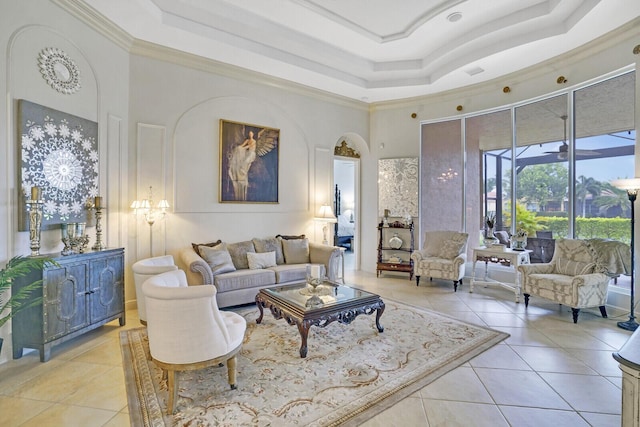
column 180, row 109
column 27, row 27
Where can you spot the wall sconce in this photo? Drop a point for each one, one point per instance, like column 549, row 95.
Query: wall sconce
column 325, row 215
column 349, row 214
column 150, row 212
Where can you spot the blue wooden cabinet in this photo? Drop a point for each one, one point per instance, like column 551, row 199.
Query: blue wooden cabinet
column 81, row 293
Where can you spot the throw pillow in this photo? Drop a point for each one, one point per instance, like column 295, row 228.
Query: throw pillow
column 296, row 251
column 450, row 249
column 212, row 244
column 238, row 252
column 218, row 259
column 283, row 237
column 574, row 268
column 270, row 245
column 433, row 246
column 262, row 260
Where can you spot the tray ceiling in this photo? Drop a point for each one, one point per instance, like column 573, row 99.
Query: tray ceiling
column 372, row 50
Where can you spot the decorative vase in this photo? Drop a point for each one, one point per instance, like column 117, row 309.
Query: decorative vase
column 490, row 238
column 395, row 242
column 315, row 277
column 518, row 244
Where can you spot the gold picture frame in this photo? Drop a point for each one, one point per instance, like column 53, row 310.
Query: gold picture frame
column 249, row 163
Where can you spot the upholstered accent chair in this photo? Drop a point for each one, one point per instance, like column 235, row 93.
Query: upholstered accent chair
column 443, row 256
column 573, row 277
column 144, row 269
column 187, row 331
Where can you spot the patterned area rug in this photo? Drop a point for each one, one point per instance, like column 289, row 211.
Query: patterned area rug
column 351, row 373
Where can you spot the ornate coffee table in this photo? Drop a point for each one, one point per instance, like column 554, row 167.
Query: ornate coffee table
column 339, row 302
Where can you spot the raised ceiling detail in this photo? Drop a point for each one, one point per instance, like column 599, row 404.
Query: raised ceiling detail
column 376, row 49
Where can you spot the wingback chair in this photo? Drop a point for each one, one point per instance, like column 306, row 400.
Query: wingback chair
column 187, row 331
column 570, row 278
column 443, row 256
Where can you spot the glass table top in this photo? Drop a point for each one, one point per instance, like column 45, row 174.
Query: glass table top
column 330, row 294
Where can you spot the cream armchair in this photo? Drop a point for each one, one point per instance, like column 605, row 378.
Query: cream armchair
column 187, row 331
column 571, row 277
column 144, row 269
column 443, row 256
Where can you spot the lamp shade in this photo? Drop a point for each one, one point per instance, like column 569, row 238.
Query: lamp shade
column 163, row 204
column 627, row 184
column 326, row 214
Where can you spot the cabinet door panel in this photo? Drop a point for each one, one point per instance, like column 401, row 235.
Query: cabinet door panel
column 107, row 287
column 65, row 306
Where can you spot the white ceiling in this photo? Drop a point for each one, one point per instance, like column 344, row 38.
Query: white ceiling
column 372, row 50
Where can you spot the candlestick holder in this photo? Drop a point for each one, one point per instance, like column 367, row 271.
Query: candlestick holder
column 34, row 207
column 98, row 246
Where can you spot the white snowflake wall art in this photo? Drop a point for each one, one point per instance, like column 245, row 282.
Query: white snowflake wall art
column 59, row 154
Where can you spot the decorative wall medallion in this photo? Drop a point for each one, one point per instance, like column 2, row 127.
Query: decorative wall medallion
column 59, row 70
column 59, row 154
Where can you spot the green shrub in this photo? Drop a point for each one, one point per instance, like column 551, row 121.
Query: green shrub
column 586, row 228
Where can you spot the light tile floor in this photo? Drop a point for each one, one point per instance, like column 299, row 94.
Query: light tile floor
column 548, row 372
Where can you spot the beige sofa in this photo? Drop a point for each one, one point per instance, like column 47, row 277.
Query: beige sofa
column 239, row 270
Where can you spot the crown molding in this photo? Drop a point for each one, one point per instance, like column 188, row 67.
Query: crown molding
column 108, row 29
column 96, row 21
column 196, row 62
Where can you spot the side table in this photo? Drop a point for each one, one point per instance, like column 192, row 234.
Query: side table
column 506, row 257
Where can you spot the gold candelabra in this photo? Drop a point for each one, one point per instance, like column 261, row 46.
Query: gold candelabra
column 97, row 205
column 34, row 207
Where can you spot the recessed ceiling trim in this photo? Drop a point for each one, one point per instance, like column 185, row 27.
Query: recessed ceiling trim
column 298, row 48
column 289, row 41
column 381, row 38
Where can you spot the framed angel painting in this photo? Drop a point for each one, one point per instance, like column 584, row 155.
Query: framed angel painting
column 248, row 163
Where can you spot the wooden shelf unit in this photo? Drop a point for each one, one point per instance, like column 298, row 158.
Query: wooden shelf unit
column 405, row 232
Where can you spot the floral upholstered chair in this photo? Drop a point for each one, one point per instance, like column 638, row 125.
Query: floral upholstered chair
column 443, row 256
column 573, row 277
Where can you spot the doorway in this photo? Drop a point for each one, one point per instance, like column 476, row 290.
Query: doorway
column 346, row 235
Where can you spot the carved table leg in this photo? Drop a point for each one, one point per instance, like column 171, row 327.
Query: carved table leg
column 378, row 314
column 259, row 304
column 303, row 328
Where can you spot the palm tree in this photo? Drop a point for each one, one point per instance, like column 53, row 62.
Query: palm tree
column 585, row 186
column 612, row 197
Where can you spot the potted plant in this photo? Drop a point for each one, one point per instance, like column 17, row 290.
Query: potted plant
column 19, row 266
column 519, row 240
